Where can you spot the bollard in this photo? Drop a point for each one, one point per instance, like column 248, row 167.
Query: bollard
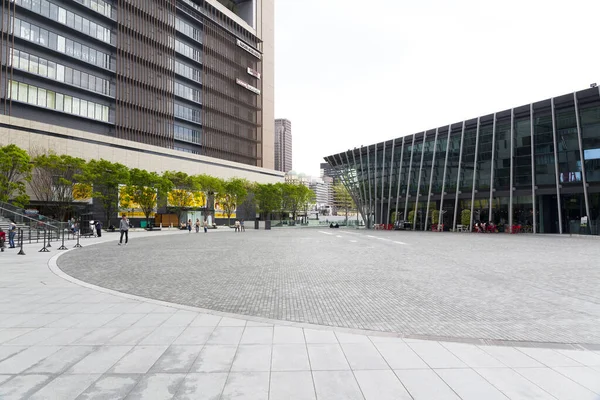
column 63, row 247
column 44, row 249
column 49, row 238
column 21, row 252
column 77, row 245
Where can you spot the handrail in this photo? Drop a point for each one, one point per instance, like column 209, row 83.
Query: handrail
column 17, row 210
column 37, row 222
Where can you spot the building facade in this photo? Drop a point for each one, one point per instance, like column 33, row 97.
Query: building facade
column 195, row 76
column 283, row 145
column 536, row 166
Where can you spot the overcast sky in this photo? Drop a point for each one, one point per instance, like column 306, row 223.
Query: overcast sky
column 351, row 73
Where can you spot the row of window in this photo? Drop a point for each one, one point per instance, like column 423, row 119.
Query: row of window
column 188, row 51
column 187, row 92
column 185, row 150
column 66, row 17
column 36, row 96
column 101, row 7
column 51, row 40
column 187, row 134
column 48, row 69
column 188, row 30
column 188, row 113
column 189, row 72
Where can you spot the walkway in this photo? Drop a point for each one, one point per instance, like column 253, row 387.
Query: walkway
column 64, row 340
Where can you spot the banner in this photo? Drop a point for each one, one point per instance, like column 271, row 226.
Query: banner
column 130, row 208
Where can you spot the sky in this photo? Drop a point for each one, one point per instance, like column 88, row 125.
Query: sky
column 351, row 73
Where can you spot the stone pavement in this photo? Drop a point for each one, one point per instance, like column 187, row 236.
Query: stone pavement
column 63, row 339
column 436, row 286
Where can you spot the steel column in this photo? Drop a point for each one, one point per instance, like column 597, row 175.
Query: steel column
column 445, row 169
column 475, row 171
column 533, row 198
column 399, row 178
column 512, row 156
column 419, row 180
column 370, row 193
column 462, row 136
column 375, row 186
column 390, row 183
column 382, row 183
column 492, row 169
column 581, row 157
column 412, row 152
column 431, row 177
column 560, row 227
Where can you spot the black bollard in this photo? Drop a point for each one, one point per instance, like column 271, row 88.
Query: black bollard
column 63, row 247
column 21, row 252
column 77, row 245
column 44, row 249
column 49, row 238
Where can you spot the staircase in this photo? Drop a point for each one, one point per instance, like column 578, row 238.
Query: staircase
column 5, row 224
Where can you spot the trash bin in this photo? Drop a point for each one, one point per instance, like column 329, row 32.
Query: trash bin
column 268, row 224
column 143, row 224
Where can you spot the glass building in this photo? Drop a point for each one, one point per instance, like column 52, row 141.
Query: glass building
column 536, row 166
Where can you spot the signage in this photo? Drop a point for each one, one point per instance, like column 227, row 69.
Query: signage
column 247, row 86
column 254, row 73
column 249, row 49
column 584, row 222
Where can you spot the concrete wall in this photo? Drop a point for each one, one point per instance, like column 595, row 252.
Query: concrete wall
column 33, row 136
column 266, row 32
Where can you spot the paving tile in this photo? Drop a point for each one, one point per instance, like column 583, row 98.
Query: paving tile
column 110, row 387
column 152, row 320
column 425, row 384
column 61, row 360
column 226, row 321
column 202, row 386
column 511, row 357
column 194, row 335
column 257, row 335
column 181, row 318
column 587, row 377
column 288, row 335
column 512, row 384
column 97, row 321
column 99, row 336
column 336, row 385
column 469, row 385
column 381, row 385
column 206, row 320
column 226, row 335
column 400, row 356
column 157, row 387
column 68, row 336
column 39, row 320
column 26, row 359
column 290, row 357
column 386, row 339
column 556, row 384
column 124, row 321
column 363, row 356
column 584, row 357
column 131, row 336
column 296, row 385
column 101, row 360
column 163, row 335
column 65, row 387
column 177, row 359
column 4, row 378
column 549, row 357
column 351, row 338
column 327, row 357
column 436, row 356
column 9, row 334
column 257, row 324
column 34, row 337
column 214, row 359
column 473, row 356
column 247, row 386
column 139, row 360
column 252, row 358
column 316, row 336
column 7, row 351
column 23, row 386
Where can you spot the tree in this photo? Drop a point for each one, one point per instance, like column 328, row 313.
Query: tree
column 294, row 197
column 211, row 186
column 53, row 179
column 342, row 199
column 235, row 191
column 143, row 189
column 268, row 198
column 15, row 171
column 182, row 191
column 105, row 177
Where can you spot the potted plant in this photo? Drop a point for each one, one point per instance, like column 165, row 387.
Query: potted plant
column 465, row 219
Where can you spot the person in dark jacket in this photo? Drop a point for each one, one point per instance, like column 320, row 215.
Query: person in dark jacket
column 124, row 228
column 98, row 228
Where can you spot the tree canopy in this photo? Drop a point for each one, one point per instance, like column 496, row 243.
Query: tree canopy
column 15, row 171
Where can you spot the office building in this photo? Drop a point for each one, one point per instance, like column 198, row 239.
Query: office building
column 535, row 167
column 184, row 79
column 283, row 145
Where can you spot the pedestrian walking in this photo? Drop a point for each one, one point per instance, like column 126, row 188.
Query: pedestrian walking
column 242, row 228
column 124, row 228
column 237, row 225
column 98, row 228
column 12, row 231
column 2, row 239
column 189, row 226
column 197, row 225
column 205, row 226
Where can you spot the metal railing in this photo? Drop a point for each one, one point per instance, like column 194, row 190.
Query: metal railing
column 34, row 229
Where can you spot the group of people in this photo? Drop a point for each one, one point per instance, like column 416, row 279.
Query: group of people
column 12, row 232
column 197, row 225
column 239, row 226
column 483, row 227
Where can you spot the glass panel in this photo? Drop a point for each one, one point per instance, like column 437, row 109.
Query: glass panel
column 569, row 163
column 51, row 100
column 32, row 95
column 22, row 92
column 60, row 102
column 547, row 214
column 502, row 156
column 522, row 153
column 468, row 161
column 41, row 98
column 544, row 148
column 484, row 159
column 590, row 136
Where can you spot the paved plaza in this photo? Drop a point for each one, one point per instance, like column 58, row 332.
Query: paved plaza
column 62, row 338
column 420, row 285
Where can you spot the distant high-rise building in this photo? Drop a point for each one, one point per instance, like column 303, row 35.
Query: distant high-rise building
column 283, row 145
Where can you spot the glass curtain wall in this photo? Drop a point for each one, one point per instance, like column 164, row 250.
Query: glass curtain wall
column 501, row 190
column 589, row 116
column 437, row 178
column 404, row 177
column 428, row 153
column 467, row 171
column 413, row 180
column 523, row 199
column 448, row 207
column 484, row 170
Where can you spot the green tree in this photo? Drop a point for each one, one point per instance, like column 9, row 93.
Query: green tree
column 465, row 218
column 294, row 197
column 144, row 188
column 211, row 186
column 235, row 191
column 182, row 188
column 53, row 179
column 268, row 198
column 105, row 177
column 342, row 199
column 15, row 171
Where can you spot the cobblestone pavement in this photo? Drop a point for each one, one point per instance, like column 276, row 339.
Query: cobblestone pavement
column 497, row 287
column 64, row 340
